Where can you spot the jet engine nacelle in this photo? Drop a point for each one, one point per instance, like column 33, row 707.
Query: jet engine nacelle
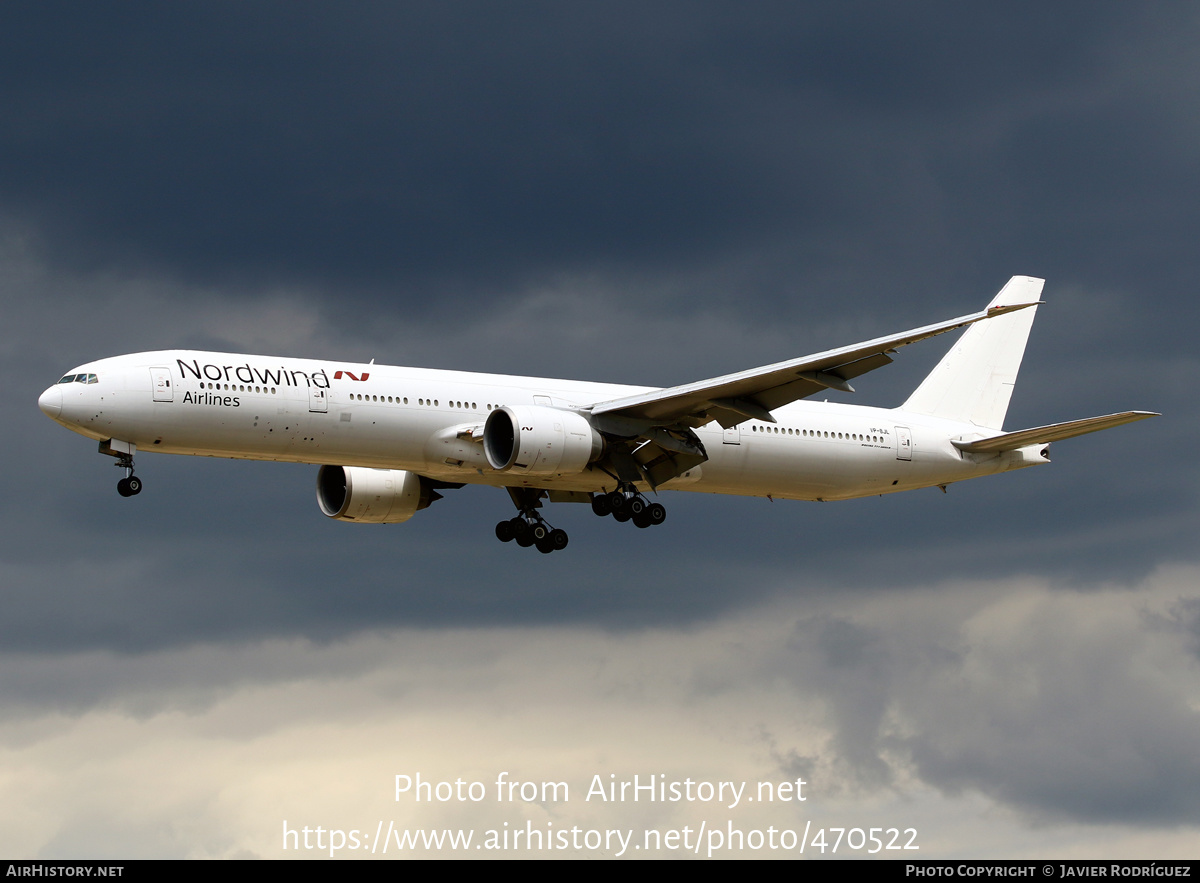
column 536, row 440
column 372, row 496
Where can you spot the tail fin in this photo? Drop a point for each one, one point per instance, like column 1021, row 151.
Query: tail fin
column 974, row 381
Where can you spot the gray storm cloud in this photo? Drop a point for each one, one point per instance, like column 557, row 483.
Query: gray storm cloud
column 1078, row 707
column 627, row 194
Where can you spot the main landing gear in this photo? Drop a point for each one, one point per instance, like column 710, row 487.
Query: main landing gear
column 629, row 505
column 530, row 528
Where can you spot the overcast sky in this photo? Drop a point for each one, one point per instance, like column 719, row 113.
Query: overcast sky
column 627, row 193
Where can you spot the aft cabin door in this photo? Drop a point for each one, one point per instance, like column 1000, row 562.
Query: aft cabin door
column 903, row 443
column 160, row 380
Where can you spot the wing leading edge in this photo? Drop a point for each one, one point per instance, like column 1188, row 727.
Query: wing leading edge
column 734, row 398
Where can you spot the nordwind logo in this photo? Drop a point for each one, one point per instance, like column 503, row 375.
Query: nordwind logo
column 251, row 373
column 248, row 373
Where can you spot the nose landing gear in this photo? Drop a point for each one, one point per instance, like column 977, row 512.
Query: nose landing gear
column 130, row 485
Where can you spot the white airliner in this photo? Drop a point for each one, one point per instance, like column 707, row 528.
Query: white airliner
column 388, row 439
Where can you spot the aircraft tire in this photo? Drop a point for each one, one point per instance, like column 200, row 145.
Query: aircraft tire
column 504, row 531
column 558, row 539
column 657, row 513
column 123, row 488
column 601, row 505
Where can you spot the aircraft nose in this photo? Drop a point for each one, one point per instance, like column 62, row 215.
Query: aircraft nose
column 51, row 402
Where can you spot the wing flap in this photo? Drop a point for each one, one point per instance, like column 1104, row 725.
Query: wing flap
column 1010, row 441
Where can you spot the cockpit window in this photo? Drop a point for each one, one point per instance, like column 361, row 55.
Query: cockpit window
column 80, row 378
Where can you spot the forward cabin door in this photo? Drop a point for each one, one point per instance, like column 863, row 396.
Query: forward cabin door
column 160, row 382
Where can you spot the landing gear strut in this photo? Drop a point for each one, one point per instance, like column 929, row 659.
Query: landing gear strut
column 529, row 528
column 627, row 504
column 130, row 485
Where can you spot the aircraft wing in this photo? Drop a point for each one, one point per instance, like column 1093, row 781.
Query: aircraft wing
column 734, row 398
column 1010, row 441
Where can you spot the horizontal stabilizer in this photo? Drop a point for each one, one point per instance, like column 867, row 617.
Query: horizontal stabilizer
column 1010, row 441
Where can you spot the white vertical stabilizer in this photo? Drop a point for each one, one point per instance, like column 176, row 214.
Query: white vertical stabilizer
column 974, row 381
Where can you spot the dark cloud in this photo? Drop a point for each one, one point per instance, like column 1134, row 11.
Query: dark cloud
column 449, row 154
column 854, row 669
column 1070, row 706
column 630, row 194
column 1071, row 719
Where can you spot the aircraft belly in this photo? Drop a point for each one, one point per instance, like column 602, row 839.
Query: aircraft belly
column 796, row 467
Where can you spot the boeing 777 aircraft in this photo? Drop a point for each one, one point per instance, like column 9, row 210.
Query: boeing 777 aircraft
column 389, row 439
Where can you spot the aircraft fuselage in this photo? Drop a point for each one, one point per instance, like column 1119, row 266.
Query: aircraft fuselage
column 430, row 422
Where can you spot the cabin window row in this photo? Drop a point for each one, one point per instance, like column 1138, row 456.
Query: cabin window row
column 403, row 400
column 388, row 400
column 815, row 433
column 238, row 387
column 422, row 401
